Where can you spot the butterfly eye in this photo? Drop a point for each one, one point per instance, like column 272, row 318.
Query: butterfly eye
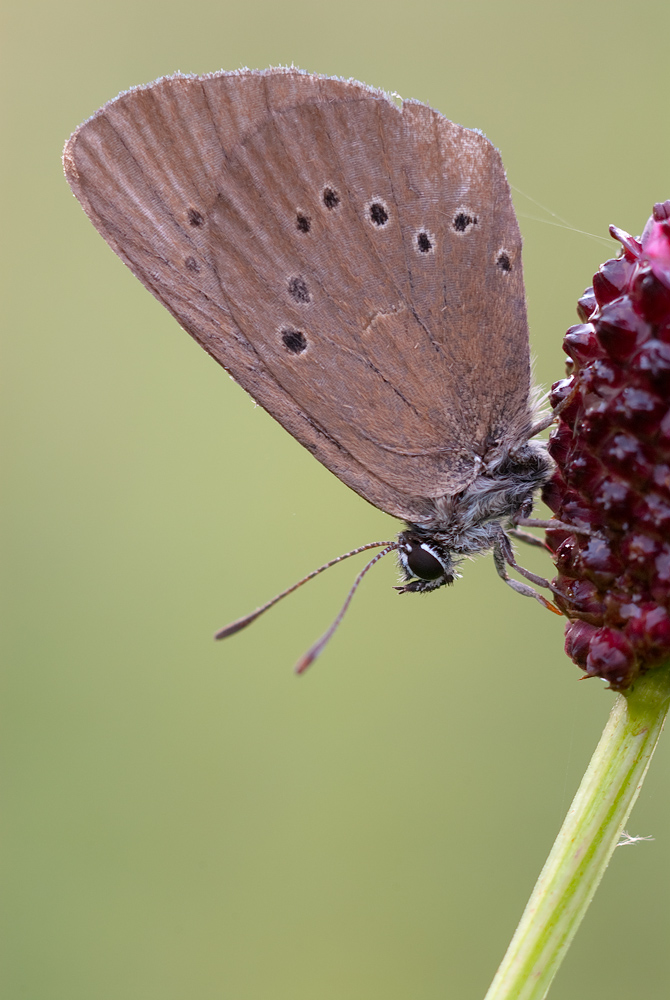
column 424, row 564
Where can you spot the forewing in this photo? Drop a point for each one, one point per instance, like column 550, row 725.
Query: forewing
column 354, row 266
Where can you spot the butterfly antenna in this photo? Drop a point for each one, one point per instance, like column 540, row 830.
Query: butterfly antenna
column 241, row 623
column 311, row 654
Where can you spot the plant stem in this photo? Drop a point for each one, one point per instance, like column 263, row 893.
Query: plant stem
column 586, row 842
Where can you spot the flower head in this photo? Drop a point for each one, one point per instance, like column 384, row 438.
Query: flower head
column 612, row 451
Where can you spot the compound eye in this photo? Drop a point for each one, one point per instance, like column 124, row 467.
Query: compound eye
column 424, row 564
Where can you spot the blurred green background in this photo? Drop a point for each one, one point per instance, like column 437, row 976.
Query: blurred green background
column 189, row 820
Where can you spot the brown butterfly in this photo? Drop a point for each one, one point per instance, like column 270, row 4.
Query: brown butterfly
column 356, row 266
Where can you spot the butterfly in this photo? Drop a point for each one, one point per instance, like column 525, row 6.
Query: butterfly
column 355, row 265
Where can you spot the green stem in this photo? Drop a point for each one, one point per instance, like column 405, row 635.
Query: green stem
column 586, row 841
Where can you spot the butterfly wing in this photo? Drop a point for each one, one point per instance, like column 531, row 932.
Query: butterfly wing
column 354, row 265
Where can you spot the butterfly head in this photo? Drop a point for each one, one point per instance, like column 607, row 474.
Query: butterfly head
column 425, row 563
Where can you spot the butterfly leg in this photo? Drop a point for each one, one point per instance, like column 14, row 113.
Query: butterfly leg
column 550, row 418
column 525, row 536
column 542, row 425
column 534, row 522
column 504, row 544
column 503, row 556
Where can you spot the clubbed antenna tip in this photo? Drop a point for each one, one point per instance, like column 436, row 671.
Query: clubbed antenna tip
column 312, row 654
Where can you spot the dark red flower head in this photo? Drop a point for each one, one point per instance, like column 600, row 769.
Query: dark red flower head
column 612, row 451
